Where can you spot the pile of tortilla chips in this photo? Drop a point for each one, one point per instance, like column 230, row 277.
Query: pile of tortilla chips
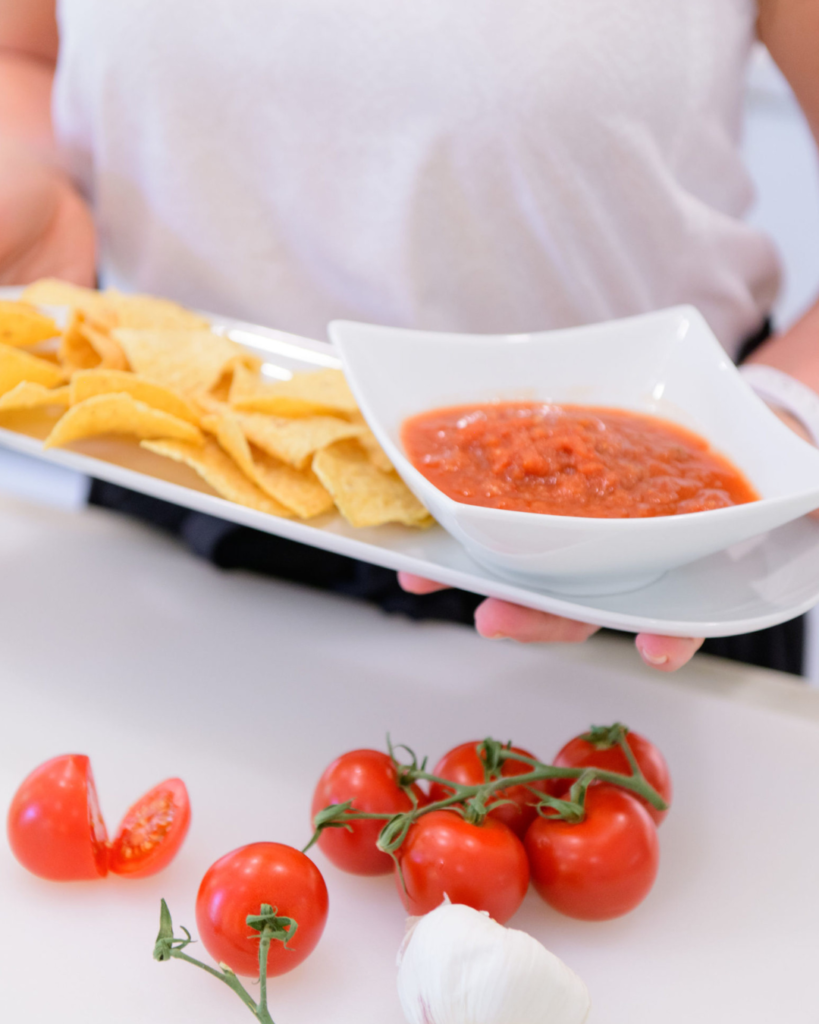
column 149, row 369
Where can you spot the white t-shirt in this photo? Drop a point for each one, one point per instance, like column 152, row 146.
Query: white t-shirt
column 480, row 165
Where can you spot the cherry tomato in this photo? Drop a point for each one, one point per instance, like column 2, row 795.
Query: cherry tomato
column 152, row 831
column 483, row 866
column 601, row 867
column 463, row 765
column 54, row 824
column 238, row 884
column 580, row 753
column 369, row 779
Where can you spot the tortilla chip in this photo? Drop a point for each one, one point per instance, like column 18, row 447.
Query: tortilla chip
column 229, row 435
column 22, row 325
column 364, row 495
column 47, row 354
column 76, row 351
column 147, row 312
column 220, row 471
column 87, row 383
column 306, row 394
column 298, row 491
column 245, row 385
column 119, row 414
column 209, row 405
column 367, row 440
column 221, row 390
column 112, row 308
column 84, row 346
column 294, row 441
column 187, row 362
column 17, row 365
column 33, row 396
column 110, row 352
column 50, row 291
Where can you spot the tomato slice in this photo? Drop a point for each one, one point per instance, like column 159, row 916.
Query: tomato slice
column 152, row 831
column 54, row 824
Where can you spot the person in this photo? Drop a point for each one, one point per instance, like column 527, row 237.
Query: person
column 478, row 166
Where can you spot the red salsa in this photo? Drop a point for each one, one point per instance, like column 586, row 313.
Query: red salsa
column 570, row 460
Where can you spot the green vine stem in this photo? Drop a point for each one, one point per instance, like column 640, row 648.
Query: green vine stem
column 271, row 928
column 473, row 801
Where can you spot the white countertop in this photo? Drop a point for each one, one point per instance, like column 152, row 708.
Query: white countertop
column 117, row 643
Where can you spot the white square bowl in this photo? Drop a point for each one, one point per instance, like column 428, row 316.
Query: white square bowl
column 666, row 364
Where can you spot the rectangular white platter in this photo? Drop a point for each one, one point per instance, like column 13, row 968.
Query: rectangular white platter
column 729, row 593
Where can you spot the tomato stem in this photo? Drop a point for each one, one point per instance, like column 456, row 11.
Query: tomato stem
column 264, row 948
column 604, row 737
column 168, row 946
column 474, row 801
column 628, row 753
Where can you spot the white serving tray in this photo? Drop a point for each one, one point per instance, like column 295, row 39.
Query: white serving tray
column 761, row 582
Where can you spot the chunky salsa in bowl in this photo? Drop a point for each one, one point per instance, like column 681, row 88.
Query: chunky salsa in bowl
column 570, row 460
column 622, row 523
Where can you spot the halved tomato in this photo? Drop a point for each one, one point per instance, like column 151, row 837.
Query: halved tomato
column 152, row 831
column 54, row 824
column 56, row 830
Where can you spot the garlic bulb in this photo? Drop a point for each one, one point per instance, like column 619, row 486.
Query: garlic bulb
column 458, row 966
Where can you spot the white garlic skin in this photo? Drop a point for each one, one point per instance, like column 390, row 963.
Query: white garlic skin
column 458, row 966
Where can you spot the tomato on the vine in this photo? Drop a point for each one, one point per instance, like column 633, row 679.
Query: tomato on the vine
column 600, row 867
column 238, row 884
column 152, row 831
column 54, row 824
column 483, row 866
column 463, row 765
column 582, row 752
column 369, row 778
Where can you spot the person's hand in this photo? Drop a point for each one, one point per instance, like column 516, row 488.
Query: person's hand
column 46, row 228
column 496, row 619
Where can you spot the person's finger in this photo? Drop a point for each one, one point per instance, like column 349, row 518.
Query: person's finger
column 497, row 619
column 418, row 585
column 666, row 653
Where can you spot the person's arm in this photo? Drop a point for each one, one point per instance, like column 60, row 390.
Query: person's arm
column 790, row 30
column 28, row 55
column 46, row 229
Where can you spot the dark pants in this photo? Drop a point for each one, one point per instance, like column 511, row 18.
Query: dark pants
column 238, row 547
